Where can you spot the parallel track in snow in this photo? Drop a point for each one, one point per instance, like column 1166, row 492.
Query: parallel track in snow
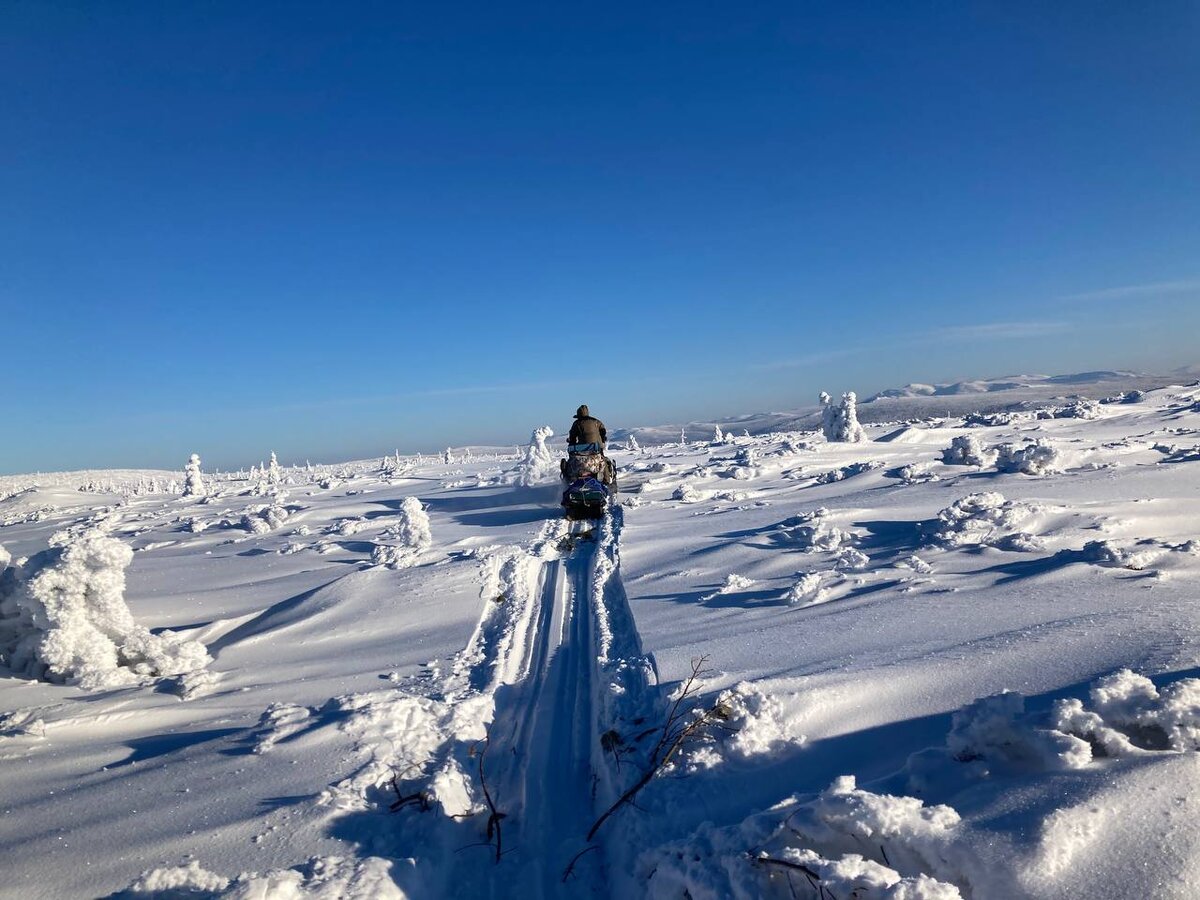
column 543, row 732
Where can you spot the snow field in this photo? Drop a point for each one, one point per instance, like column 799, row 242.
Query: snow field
column 929, row 678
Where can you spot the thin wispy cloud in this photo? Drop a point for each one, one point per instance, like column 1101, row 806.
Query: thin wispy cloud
column 1134, row 291
column 1000, row 330
column 809, row 359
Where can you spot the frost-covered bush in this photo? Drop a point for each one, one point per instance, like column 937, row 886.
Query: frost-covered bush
column 193, row 481
column 63, row 616
column 967, row 450
column 982, row 518
column 810, row 531
column 1080, row 409
column 538, row 464
column 411, row 534
column 1037, row 458
column 849, row 471
column 264, row 518
column 807, row 591
column 995, row 729
column 1106, row 554
column 840, row 422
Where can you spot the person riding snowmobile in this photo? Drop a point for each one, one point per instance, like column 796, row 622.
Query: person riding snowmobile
column 586, row 429
column 586, row 443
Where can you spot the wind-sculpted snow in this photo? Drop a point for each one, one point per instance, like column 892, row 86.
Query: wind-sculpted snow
column 1037, row 458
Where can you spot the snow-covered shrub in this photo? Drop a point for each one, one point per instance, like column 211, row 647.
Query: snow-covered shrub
column 850, row 558
column 810, row 532
column 996, row 729
column 733, row 584
column 264, row 518
column 1105, row 554
column 718, row 436
column 1037, row 458
column 538, row 464
column 1141, row 714
column 1080, row 409
column 982, row 518
column 63, row 615
column 840, row 423
column 193, row 481
column 988, row 420
column 411, row 534
column 967, row 450
column 845, row 472
column 634, row 447
column 808, row 591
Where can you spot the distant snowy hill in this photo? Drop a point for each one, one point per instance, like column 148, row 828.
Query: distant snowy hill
column 1010, row 393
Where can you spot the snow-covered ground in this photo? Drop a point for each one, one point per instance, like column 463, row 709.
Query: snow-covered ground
column 954, row 660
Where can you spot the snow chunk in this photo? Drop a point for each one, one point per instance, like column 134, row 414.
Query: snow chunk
column 178, row 882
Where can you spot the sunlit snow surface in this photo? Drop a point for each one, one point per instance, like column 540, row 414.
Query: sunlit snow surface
column 861, row 607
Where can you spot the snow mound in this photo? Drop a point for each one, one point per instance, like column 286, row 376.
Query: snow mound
column 808, row 591
column 1037, row 458
column 321, row 878
column 981, row 519
column 967, row 450
column 63, row 616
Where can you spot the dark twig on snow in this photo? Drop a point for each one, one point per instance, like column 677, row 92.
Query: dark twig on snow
column 680, row 727
column 495, row 816
column 570, row 869
column 420, row 798
column 813, row 878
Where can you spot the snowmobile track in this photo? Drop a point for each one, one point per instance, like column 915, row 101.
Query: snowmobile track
column 542, row 734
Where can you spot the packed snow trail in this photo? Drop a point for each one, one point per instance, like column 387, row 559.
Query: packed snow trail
column 541, row 737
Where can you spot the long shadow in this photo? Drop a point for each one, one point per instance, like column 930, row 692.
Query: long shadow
column 474, row 499
column 161, row 744
column 501, row 517
column 275, row 616
column 1028, row 568
column 893, row 537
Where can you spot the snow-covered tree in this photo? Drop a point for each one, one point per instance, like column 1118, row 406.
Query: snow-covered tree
column 839, row 422
column 538, row 463
column 193, row 481
column 274, row 473
column 718, row 436
column 633, row 444
column 447, row 458
column 682, row 436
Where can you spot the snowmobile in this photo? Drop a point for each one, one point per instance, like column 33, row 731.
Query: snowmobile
column 590, row 481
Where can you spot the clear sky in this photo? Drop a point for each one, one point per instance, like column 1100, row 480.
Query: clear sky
column 334, row 229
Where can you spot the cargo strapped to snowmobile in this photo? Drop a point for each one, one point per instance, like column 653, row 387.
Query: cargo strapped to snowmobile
column 593, row 447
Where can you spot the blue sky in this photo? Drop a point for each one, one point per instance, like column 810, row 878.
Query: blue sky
column 336, row 229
